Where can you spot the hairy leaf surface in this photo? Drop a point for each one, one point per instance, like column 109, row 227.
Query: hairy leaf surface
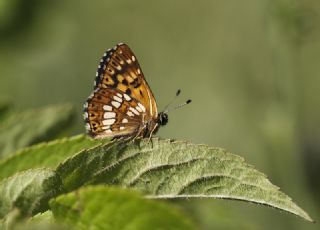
column 174, row 169
column 28, row 192
column 47, row 155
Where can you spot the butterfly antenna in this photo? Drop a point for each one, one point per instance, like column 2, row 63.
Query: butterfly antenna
column 172, row 100
column 179, row 106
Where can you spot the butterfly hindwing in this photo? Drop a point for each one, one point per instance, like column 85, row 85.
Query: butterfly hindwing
column 110, row 112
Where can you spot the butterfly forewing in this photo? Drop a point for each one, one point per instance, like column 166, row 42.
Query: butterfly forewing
column 122, row 102
column 119, row 68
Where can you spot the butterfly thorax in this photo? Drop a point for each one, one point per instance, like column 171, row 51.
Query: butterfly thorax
column 151, row 126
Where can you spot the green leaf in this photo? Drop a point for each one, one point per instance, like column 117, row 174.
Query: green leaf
column 174, row 169
column 40, row 226
column 44, row 217
column 10, row 220
column 39, row 221
column 100, row 207
column 29, row 191
column 32, row 126
column 47, row 155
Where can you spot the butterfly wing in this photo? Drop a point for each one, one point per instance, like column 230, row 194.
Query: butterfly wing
column 112, row 113
column 122, row 99
column 120, row 69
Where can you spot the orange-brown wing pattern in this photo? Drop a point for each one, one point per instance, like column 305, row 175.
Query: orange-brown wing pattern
column 119, row 69
column 112, row 113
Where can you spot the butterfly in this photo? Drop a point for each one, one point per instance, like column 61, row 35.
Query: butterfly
column 122, row 103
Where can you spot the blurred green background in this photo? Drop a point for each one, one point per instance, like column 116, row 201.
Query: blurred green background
column 250, row 67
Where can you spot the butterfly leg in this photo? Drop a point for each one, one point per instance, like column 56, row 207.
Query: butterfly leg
column 138, row 134
column 123, row 138
column 152, row 131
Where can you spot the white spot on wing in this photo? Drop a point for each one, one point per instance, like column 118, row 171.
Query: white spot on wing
column 119, row 95
column 107, row 108
column 124, row 120
column 139, row 109
column 88, row 127
column 133, row 58
column 142, row 107
column 116, row 104
column 117, row 99
column 127, row 97
column 108, row 121
column 130, row 114
column 107, row 131
column 139, row 71
column 85, row 115
column 85, row 105
column 105, row 127
column 134, row 111
column 108, row 115
column 121, row 127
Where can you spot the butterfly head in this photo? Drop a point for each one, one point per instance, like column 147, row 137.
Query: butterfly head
column 162, row 118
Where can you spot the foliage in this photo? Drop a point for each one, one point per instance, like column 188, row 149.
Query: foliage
column 29, row 127
column 251, row 68
column 101, row 207
column 59, row 171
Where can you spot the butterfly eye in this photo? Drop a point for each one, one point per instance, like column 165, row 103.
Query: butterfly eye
column 163, row 118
